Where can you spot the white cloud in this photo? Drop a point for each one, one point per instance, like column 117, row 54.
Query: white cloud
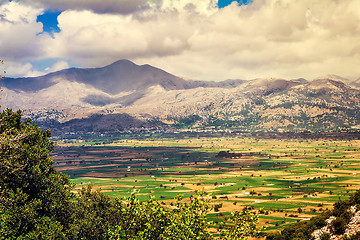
column 279, row 38
column 32, row 72
column 16, row 69
column 104, row 38
column 60, row 65
column 19, row 31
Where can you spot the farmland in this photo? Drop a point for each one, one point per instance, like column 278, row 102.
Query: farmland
column 289, row 180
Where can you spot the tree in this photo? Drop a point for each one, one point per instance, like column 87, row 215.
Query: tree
column 299, row 210
column 242, row 224
column 93, row 213
column 34, row 197
column 150, row 220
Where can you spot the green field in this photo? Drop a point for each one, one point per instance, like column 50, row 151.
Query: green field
column 290, row 180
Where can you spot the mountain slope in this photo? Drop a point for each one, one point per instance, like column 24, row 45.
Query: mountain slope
column 259, row 104
column 121, row 83
column 145, row 93
column 121, row 76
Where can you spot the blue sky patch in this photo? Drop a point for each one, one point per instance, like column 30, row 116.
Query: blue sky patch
column 42, row 65
column 49, row 21
column 224, row 3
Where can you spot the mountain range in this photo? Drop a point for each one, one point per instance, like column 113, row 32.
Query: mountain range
column 124, row 95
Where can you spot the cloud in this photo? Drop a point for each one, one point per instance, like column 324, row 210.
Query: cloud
column 16, row 69
column 104, row 6
column 120, row 6
column 60, row 65
column 19, row 30
column 278, row 38
column 108, row 37
column 57, row 66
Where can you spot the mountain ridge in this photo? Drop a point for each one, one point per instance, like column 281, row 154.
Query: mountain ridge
column 145, row 92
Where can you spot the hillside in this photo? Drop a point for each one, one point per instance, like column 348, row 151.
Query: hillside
column 146, row 93
column 102, row 123
column 343, row 222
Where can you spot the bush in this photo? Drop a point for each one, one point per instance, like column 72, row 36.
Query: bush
column 339, row 225
column 325, row 236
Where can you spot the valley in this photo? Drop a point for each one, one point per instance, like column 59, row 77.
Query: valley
column 288, row 179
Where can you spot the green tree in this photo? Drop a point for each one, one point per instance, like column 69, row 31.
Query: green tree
column 187, row 220
column 34, row 197
column 150, row 220
column 240, row 225
column 93, row 213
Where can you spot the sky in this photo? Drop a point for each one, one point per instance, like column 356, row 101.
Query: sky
column 200, row 40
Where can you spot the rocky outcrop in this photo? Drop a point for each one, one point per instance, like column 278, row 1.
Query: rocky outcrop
column 352, row 228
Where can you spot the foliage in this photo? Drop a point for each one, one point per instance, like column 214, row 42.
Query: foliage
column 150, row 220
column 187, row 122
column 34, row 197
column 244, row 225
column 93, row 213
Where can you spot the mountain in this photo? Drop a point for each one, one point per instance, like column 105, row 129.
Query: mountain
column 121, row 76
column 335, row 78
column 121, row 83
column 122, row 93
column 355, row 83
